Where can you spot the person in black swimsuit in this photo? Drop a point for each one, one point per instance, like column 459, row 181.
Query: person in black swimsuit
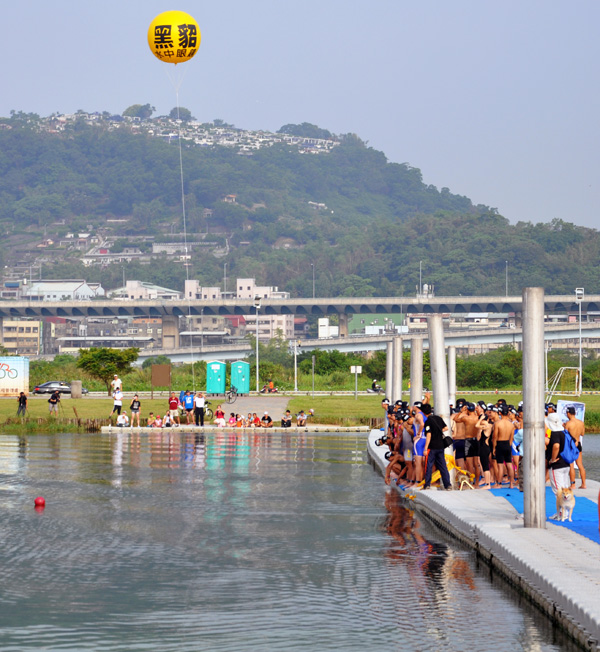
column 485, row 427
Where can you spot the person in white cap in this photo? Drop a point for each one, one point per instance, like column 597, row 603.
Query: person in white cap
column 116, row 384
column 558, row 468
column 266, row 421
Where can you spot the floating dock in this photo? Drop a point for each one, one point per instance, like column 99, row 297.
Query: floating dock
column 557, row 568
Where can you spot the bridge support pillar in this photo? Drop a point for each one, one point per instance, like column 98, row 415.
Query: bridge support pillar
column 170, row 332
column 452, row 375
column 439, row 373
column 397, row 370
column 343, row 328
column 534, row 466
column 416, row 370
column 389, row 361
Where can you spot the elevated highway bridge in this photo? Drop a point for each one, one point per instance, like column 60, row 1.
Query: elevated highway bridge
column 171, row 310
column 342, row 306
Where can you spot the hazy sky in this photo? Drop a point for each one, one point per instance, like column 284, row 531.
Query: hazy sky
column 495, row 99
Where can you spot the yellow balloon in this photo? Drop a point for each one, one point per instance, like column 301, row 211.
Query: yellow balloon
column 174, row 37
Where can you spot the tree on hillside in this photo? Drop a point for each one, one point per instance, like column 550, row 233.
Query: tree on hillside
column 103, row 363
column 141, row 111
column 305, row 130
column 183, row 114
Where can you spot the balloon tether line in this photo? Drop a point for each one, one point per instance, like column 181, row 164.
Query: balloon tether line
column 185, row 242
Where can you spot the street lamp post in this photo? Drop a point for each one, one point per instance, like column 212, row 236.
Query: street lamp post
column 579, row 294
column 506, row 275
column 295, row 365
column 224, row 280
column 313, row 276
column 257, row 306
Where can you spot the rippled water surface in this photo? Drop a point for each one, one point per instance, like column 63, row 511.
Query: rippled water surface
column 233, row 542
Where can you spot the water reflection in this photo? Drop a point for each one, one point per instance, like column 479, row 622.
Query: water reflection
column 190, row 541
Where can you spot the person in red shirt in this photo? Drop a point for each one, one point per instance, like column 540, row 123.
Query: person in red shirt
column 173, row 411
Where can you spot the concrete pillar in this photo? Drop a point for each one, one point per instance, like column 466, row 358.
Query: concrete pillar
column 452, row 375
column 397, row 370
column 170, row 332
column 533, row 463
column 76, row 389
column 343, row 324
column 389, row 362
column 437, row 359
column 416, row 370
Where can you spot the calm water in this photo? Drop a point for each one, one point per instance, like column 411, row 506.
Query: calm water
column 233, row 542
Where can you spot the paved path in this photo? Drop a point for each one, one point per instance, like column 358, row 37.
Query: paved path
column 274, row 405
column 556, row 567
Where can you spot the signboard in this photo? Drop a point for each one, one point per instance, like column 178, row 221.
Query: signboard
column 14, row 375
column 160, row 377
column 356, row 370
column 561, row 409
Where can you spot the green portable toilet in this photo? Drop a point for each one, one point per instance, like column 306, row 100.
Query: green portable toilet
column 215, row 377
column 240, row 376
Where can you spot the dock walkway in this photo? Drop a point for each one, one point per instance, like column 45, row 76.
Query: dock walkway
column 557, row 568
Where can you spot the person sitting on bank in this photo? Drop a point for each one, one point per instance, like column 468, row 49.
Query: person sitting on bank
column 286, row 420
column 301, row 419
column 255, row 420
column 266, row 421
column 151, row 420
column 123, row 420
column 158, row 422
column 219, row 420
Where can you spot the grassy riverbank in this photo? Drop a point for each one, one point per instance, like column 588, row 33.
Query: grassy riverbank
column 329, row 410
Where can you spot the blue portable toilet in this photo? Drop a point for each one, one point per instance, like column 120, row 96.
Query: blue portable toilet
column 240, row 376
column 215, row 377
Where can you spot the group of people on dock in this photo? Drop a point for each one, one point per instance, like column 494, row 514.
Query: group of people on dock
column 485, row 438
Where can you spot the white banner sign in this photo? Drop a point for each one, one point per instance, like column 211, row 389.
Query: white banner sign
column 14, row 375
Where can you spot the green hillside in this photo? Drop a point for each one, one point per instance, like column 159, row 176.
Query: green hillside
column 368, row 226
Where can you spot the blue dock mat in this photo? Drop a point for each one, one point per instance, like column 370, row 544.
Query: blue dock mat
column 585, row 514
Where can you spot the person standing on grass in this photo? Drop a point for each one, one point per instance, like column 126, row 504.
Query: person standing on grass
column 54, row 402
column 173, row 409
column 117, row 402
column 199, row 403
column 188, row 406
column 134, row 406
column 22, row 409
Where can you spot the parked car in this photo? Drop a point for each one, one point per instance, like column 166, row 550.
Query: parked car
column 52, row 385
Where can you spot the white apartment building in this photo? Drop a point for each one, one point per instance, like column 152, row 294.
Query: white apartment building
column 142, row 290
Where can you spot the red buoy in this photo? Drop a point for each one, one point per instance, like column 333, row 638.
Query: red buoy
column 40, row 502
